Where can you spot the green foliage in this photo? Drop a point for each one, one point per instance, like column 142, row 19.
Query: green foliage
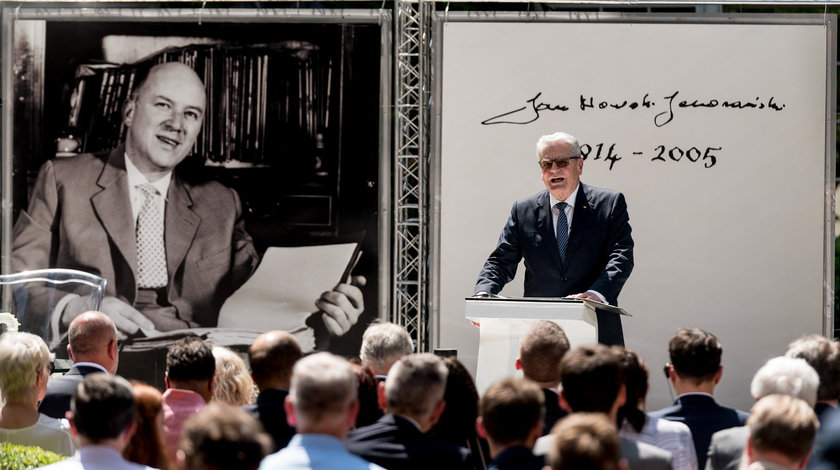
column 16, row 457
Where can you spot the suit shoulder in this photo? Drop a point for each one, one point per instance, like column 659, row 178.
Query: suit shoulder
column 79, row 167
column 634, row 450
column 210, row 191
column 532, row 199
column 667, row 412
column 595, row 194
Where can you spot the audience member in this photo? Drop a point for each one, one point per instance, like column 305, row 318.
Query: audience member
column 92, row 345
column 146, row 445
column 511, row 417
column 824, row 356
column 782, row 431
column 272, row 356
column 189, row 386
column 322, row 405
column 382, row 345
column 780, row 375
column 369, row 410
column 232, row 383
column 585, row 441
column 636, row 424
column 456, row 424
column 694, row 373
column 593, row 382
column 24, row 371
column 540, row 353
column 222, row 437
column 102, row 418
column 413, row 398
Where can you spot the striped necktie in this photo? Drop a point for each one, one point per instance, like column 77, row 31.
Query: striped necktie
column 562, row 230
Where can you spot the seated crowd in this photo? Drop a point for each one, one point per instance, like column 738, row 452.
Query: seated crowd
column 574, row 408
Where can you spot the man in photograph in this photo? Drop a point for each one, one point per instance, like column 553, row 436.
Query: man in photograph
column 575, row 238
column 172, row 250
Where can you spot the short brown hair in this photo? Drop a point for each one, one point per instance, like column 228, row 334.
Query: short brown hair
column 783, row 424
column 510, row 408
column 824, row 356
column 584, row 441
column 541, row 350
column 223, row 437
column 190, row 358
column 695, row 354
column 592, row 377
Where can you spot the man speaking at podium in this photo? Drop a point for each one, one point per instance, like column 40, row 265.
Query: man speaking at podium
column 575, row 238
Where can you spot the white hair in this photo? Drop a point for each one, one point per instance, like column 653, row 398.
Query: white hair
column 22, row 357
column 383, row 344
column 550, row 139
column 786, row 376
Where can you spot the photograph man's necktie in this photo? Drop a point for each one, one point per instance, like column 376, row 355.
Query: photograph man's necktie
column 562, row 230
column 151, row 254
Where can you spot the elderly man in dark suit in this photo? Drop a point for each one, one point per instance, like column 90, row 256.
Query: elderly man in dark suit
column 92, row 346
column 172, row 250
column 575, row 238
column 413, row 398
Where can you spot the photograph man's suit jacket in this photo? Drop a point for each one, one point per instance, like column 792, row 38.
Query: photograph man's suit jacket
column 599, row 255
column 80, row 217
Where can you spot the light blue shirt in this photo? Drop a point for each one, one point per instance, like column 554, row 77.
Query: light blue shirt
column 316, row 452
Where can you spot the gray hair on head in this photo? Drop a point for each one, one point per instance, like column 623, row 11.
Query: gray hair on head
column 323, row 384
column 550, row 139
column 786, row 376
column 415, row 384
column 384, row 343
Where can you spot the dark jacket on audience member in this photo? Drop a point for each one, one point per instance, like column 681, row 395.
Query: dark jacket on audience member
column 269, row 410
column 396, row 443
column 517, row 458
column 553, row 412
column 56, row 402
column 704, row 417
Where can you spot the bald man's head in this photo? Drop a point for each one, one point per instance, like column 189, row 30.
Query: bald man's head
column 272, row 356
column 92, row 337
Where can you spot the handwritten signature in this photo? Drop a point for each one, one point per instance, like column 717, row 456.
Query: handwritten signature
column 534, row 106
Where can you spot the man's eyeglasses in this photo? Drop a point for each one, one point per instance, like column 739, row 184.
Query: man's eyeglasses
column 561, row 162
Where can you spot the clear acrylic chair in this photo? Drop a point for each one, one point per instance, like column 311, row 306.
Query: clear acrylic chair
column 33, row 296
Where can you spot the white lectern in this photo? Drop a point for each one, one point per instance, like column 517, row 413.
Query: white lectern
column 504, row 321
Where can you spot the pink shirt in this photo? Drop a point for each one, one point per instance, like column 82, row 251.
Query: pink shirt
column 178, row 405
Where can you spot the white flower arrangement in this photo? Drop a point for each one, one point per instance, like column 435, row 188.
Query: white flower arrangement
column 8, row 322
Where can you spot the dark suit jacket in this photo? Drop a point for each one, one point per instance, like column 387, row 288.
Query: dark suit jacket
column 704, row 417
column 395, row 443
column 79, row 217
column 517, row 458
column 726, row 448
column 553, row 412
column 56, row 402
column 269, row 410
column 599, row 255
column 641, row 456
column 826, row 454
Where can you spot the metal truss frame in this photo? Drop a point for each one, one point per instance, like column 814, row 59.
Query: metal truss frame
column 412, row 93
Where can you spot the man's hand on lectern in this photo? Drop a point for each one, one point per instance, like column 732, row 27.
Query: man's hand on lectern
column 585, row 296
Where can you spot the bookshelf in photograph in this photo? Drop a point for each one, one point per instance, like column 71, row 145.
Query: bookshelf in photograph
column 267, row 105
